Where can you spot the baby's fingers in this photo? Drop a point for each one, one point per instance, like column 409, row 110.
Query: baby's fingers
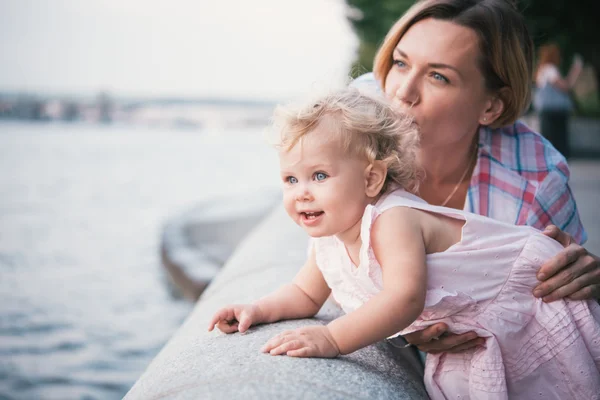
column 274, row 342
column 224, row 314
column 227, row 327
column 286, row 347
column 301, row 352
column 245, row 322
column 211, row 325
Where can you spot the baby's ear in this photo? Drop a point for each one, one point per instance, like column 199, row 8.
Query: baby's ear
column 375, row 175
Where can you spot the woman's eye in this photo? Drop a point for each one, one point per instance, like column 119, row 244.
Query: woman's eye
column 440, row 77
column 291, row 179
column 399, row 63
column 320, row 176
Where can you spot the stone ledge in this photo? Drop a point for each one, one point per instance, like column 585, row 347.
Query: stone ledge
column 198, row 364
column 197, row 242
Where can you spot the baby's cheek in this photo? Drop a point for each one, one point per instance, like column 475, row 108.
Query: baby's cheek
column 288, row 204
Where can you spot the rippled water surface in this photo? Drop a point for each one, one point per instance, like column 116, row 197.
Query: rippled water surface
column 83, row 302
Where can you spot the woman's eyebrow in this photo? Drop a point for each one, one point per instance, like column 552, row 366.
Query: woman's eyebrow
column 437, row 65
column 401, row 53
column 444, row 66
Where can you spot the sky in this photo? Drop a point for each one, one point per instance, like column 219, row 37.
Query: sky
column 251, row 49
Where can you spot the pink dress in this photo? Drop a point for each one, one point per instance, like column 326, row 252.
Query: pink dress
column 533, row 350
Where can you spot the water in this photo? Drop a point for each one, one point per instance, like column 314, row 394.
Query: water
column 83, row 302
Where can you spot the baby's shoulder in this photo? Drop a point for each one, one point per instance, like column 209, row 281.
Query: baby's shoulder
column 399, row 211
column 407, row 225
column 398, row 219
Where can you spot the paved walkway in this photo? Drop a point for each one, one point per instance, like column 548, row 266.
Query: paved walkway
column 585, row 183
column 584, row 135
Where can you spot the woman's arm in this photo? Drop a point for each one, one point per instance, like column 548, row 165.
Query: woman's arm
column 575, row 71
column 561, row 84
column 398, row 244
column 566, row 84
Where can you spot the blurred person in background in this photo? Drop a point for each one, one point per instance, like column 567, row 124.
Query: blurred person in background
column 463, row 69
column 552, row 100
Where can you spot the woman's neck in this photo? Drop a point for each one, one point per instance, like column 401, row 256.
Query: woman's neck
column 448, row 172
column 446, row 165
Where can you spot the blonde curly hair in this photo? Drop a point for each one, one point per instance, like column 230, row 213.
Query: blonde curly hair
column 366, row 125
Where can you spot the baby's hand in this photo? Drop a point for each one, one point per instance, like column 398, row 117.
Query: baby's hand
column 309, row 341
column 237, row 317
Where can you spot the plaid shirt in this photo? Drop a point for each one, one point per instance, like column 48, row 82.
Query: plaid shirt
column 520, row 178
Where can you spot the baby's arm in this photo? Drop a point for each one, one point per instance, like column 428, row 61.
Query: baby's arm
column 398, row 243
column 300, row 299
column 303, row 298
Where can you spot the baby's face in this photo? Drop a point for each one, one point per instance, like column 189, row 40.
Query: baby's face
column 323, row 187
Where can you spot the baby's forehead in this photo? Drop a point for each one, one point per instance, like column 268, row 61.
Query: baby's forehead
column 311, row 154
column 323, row 136
column 327, row 136
column 316, row 144
column 329, row 130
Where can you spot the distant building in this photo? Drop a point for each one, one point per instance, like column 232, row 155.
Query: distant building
column 105, row 106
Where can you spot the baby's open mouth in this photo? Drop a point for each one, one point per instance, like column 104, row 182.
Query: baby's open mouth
column 312, row 214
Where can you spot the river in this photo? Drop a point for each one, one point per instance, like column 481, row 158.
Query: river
column 84, row 306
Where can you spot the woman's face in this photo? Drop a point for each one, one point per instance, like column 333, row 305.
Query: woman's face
column 435, row 78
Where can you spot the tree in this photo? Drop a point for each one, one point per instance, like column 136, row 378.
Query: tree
column 371, row 21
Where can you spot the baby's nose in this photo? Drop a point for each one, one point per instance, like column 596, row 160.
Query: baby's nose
column 303, row 194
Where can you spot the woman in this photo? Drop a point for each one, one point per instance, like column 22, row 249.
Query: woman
column 463, row 69
column 552, row 99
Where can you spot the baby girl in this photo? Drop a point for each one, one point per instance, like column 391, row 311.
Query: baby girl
column 396, row 264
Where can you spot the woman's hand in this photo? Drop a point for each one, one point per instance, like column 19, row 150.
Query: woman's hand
column 572, row 273
column 436, row 339
column 309, row 341
column 235, row 318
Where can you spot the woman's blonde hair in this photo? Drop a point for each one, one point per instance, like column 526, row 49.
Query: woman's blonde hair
column 506, row 49
column 365, row 126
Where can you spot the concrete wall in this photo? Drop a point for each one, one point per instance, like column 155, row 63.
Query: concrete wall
column 196, row 364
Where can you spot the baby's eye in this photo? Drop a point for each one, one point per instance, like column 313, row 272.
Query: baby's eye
column 320, row 176
column 291, row 179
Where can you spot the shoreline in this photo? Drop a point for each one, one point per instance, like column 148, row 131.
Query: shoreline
column 196, row 243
